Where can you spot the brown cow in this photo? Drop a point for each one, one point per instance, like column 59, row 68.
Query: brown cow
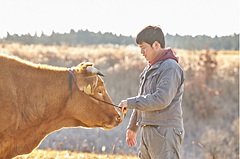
column 36, row 100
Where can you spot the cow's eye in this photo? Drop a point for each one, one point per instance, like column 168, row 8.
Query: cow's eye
column 99, row 91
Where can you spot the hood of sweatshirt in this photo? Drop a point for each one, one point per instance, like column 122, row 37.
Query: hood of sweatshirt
column 168, row 54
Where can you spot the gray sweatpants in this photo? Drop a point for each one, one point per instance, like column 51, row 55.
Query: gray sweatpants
column 160, row 142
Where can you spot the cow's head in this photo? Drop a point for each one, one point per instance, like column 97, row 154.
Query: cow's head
column 84, row 106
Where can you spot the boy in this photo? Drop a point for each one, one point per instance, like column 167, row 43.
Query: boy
column 157, row 109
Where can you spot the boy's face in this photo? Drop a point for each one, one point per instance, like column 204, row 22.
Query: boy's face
column 149, row 52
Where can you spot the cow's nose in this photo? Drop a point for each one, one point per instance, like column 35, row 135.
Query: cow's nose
column 120, row 117
column 118, row 114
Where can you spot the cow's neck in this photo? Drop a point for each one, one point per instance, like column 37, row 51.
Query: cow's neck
column 41, row 95
column 48, row 92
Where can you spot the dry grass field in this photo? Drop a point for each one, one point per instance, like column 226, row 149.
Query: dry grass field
column 210, row 104
column 53, row 154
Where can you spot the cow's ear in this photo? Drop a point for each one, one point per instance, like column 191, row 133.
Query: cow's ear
column 89, row 84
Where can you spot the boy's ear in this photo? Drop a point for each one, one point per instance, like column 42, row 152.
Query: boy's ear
column 156, row 45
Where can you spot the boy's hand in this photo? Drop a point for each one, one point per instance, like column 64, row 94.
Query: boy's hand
column 131, row 138
column 124, row 106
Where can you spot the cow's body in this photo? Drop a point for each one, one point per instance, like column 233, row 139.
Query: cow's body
column 36, row 100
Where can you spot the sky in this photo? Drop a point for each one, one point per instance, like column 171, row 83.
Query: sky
column 125, row 17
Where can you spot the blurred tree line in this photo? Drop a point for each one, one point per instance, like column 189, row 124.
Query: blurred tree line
column 86, row 37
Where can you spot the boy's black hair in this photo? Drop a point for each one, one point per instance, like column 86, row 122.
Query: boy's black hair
column 150, row 34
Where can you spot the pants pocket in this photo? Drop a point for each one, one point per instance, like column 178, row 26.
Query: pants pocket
column 179, row 132
column 162, row 132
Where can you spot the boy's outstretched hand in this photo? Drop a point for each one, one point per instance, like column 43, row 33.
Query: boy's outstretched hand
column 124, row 106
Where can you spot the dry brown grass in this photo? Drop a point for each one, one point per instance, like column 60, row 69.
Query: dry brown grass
column 54, row 154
